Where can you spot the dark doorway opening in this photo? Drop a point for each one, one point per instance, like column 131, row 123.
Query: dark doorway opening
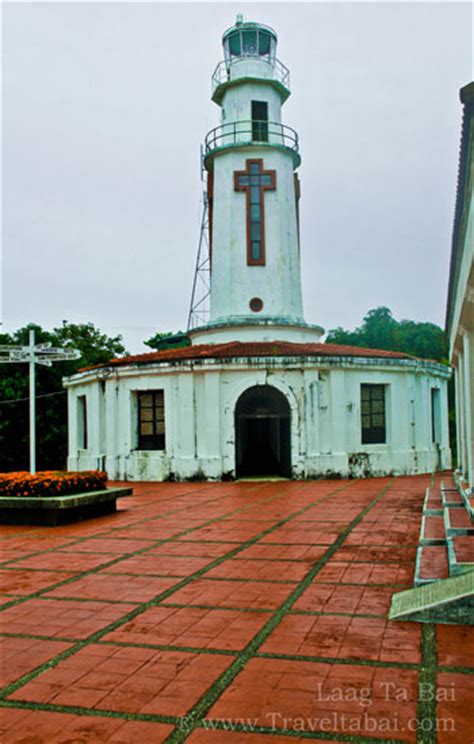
column 259, row 121
column 263, row 433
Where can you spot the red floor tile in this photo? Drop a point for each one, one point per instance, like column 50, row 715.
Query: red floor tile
column 22, row 655
column 21, row 582
column 114, row 545
column 335, row 636
column 375, row 559
column 434, row 527
column 365, row 573
column 204, row 736
column 464, row 548
column 454, row 712
column 240, row 568
column 188, row 548
column 113, row 588
column 158, row 565
column 455, row 645
column 460, row 518
column 320, row 697
column 434, row 562
column 134, row 680
column 357, row 600
column 191, row 627
column 63, row 728
column 379, row 554
column 251, row 594
column 72, row 562
column 61, row 618
column 308, row 554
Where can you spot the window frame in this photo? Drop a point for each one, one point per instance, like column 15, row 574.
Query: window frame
column 156, row 441
column 267, row 182
column 373, row 434
column 435, row 401
column 82, row 423
column 259, row 122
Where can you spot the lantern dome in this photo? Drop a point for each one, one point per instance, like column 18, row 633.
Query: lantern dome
column 249, row 39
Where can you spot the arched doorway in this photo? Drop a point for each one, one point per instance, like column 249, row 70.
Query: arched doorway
column 262, row 432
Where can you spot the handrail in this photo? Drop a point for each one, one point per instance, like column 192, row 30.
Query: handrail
column 222, row 72
column 254, row 132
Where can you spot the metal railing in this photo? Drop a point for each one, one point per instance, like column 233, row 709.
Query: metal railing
column 236, row 133
column 222, row 73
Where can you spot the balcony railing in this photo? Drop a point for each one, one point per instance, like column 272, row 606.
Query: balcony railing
column 237, row 133
column 222, row 73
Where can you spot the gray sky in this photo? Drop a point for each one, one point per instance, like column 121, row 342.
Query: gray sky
column 104, row 109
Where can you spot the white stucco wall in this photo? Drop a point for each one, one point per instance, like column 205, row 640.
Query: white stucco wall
column 259, row 332
column 236, row 104
column 200, row 400
column 233, row 282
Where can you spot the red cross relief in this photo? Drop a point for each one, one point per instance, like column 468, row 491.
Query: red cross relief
column 255, row 181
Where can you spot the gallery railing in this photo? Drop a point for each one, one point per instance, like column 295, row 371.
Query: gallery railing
column 254, row 132
column 222, row 73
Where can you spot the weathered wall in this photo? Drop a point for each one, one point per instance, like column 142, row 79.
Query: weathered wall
column 200, row 403
column 233, row 282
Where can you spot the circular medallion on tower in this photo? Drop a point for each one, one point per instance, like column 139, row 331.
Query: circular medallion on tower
column 256, row 304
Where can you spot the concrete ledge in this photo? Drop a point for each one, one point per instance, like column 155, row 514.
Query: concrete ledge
column 54, row 510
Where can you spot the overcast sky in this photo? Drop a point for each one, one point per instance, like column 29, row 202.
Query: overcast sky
column 105, row 108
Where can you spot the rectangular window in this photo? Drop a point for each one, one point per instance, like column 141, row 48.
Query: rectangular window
column 81, row 422
column 372, row 414
column 435, row 415
column 259, row 121
column 151, row 420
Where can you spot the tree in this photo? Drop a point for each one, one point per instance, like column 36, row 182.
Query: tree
column 380, row 330
column 161, row 341
column 51, row 403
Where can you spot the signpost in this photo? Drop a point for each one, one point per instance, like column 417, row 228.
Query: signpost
column 40, row 354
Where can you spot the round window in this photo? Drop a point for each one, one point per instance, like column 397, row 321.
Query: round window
column 256, row 304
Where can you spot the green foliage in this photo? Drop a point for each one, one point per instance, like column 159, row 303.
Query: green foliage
column 380, row 330
column 161, row 341
column 51, row 420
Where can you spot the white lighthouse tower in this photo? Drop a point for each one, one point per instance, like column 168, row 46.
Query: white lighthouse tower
column 253, row 192
column 256, row 393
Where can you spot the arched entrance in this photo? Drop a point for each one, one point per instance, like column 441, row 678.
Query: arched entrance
column 262, row 432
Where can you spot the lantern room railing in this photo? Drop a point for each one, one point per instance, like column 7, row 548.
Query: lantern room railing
column 222, row 73
column 237, row 133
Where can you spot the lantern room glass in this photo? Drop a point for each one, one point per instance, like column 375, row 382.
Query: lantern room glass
column 250, row 42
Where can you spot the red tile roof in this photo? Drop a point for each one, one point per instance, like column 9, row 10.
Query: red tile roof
column 238, row 349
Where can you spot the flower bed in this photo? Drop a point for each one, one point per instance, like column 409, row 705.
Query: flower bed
column 51, row 483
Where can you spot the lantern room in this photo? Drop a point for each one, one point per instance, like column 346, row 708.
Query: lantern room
column 249, row 40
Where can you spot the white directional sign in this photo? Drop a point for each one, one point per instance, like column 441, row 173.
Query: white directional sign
column 32, row 354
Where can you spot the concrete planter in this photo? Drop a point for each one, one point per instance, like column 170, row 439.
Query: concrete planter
column 58, row 510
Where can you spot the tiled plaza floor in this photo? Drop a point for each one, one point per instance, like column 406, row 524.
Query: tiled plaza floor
column 231, row 613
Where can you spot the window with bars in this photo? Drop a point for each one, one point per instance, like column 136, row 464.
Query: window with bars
column 372, row 414
column 151, row 420
column 82, row 439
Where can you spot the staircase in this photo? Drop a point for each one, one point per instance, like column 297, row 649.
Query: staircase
column 445, row 553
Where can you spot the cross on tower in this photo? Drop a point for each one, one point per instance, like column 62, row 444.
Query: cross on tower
column 254, row 181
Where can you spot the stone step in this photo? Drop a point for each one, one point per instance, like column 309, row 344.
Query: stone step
column 448, row 601
column 431, row 564
column 467, row 496
column 433, row 500
column 432, row 528
column 459, row 518
column 451, row 497
column 460, row 554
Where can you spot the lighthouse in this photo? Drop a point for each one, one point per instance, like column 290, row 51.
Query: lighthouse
column 256, row 393
column 251, row 160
